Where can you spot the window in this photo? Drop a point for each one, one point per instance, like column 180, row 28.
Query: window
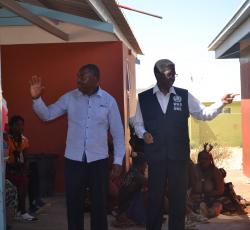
column 227, row 110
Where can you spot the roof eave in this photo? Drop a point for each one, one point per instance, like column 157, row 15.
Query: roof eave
column 228, row 37
column 122, row 23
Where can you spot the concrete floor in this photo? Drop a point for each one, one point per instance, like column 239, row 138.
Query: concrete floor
column 54, row 217
column 56, row 221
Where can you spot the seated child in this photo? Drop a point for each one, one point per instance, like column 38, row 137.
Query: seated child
column 209, row 185
column 232, row 203
column 131, row 205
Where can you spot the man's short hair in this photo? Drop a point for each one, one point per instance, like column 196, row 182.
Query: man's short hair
column 92, row 68
column 161, row 64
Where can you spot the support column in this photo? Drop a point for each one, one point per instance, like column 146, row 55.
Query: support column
column 2, row 164
column 245, row 104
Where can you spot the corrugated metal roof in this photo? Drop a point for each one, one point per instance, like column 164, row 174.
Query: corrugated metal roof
column 84, row 9
column 241, row 16
column 75, row 7
column 122, row 23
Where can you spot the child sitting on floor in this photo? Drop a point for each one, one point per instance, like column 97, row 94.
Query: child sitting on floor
column 131, row 205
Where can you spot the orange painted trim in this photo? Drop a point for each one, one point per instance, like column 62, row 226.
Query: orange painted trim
column 245, row 110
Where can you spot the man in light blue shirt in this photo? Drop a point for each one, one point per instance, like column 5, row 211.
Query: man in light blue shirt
column 92, row 113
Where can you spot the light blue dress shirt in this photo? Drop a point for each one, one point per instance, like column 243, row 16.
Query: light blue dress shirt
column 89, row 120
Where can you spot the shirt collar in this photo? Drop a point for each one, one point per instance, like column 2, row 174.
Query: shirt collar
column 99, row 92
column 156, row 90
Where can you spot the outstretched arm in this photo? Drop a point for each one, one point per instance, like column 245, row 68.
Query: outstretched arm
column 201, row 112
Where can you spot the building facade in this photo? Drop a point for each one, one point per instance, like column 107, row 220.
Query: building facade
column 234, row 42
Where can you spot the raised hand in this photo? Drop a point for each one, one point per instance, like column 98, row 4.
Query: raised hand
column 36, row 87
column 228, row 98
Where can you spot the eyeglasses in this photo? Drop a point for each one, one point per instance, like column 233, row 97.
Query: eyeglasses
column 169, row 75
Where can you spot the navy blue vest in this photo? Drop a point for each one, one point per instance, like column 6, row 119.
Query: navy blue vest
column 169, row 130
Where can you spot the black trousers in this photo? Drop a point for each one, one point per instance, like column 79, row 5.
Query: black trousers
column 77, row 176
column 171, row 175
column 33, row 184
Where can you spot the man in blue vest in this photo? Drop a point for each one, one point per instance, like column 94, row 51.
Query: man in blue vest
column 162, row 121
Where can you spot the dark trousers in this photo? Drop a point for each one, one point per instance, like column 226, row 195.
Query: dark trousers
column 77, row 176
column 125, row 198
column 171, row 175
column 33, row 186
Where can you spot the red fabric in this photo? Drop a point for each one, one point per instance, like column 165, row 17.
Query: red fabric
column 21, row 183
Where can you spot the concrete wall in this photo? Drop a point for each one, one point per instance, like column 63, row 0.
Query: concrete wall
column 57, row 64
column 224, row 130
